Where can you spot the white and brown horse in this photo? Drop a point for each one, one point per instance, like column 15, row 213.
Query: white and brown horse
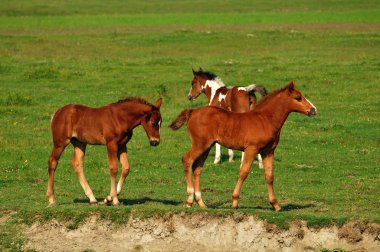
column 256, row 131
column 237, row 99
column 110, row 125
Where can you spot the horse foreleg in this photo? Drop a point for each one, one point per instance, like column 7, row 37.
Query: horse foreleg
column 243, row 173
column 123, row 158
column 269, row 177
column 77, row 162
column 52, row 165
column 217, row 154
column 197, row 170
column 112, row 154
column 188, row 163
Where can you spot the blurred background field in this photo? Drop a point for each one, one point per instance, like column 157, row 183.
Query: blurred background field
column 54, row 53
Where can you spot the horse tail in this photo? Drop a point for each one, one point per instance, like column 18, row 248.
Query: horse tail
column 181, row 119
column 251, row 89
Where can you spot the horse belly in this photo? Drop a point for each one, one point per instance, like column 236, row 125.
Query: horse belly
column 229, row 141
column 88, row 129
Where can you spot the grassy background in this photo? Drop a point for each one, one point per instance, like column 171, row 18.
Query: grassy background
column 55, row 53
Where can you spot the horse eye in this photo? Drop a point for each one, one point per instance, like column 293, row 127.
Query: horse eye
column 154, row 124
column 298, row 98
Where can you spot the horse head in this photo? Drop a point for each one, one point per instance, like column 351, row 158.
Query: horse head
column 298, row 102
column 152, row 123
column 197, row 84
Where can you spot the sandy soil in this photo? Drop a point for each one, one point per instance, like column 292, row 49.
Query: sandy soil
column 199, row 232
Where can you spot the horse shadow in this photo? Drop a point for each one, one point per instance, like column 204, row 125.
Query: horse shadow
column 284, row 208
column 132, row 202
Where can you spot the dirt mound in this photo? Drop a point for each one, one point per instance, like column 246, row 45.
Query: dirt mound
column 199, row 232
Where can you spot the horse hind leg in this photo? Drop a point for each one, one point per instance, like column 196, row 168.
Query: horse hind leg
column 77, row 162
column 188, row 160
column 230, row 155
column 52, row 166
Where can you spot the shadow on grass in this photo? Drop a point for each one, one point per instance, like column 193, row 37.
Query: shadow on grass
column 131, row 202
column 284, row 208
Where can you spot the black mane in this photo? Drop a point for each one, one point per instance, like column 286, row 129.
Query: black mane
column 206, row 74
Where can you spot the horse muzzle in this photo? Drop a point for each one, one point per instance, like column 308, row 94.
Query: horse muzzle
column 312, row 112
column 154, row 142
column 191, row 98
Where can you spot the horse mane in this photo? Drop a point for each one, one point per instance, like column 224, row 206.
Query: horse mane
column 136, row 99
column 206, row 74
column 269, row 97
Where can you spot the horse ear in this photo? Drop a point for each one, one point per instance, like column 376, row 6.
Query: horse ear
column 193, row 71
column 158, row 103
column 200, row 69
column 291, row 86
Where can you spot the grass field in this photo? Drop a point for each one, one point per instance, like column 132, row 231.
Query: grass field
column 326, row 169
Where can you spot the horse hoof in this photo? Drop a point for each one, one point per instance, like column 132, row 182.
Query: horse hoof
column 277, row 208
column 95, row 203
column 51, row 204
column 203, row 206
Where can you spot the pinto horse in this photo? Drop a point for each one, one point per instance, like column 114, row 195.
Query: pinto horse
column 237, row 99
column 110, row 125
column 256, row 131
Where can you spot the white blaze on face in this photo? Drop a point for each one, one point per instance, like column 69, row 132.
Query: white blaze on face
column 159, row 127
column 311, row 104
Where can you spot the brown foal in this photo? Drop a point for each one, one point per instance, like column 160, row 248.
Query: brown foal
column 111, row 125
column 237, row 99
column 253, row 132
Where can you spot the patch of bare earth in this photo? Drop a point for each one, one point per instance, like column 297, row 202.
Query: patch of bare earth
column 199, row 232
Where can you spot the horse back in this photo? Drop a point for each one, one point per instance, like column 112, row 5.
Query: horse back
column 234, row 99
column 84, row 123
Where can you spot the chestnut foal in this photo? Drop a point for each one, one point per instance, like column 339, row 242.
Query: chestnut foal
column 237, row 99
column 111, row 125
column 253, row 132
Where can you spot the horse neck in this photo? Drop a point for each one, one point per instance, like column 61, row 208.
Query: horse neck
column 275, row 110
column 131, row 114
column 211, row 86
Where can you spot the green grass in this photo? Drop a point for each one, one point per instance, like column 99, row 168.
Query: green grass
column 326, row 169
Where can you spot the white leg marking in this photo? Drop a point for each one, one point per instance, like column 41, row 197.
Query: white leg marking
column 190, row 195
column 261, row 166
column 190, row 190
column 118, row 188
column 217, row 154
column 230, row 155
column 198, row 196
column 311, row 104
column 242, row 158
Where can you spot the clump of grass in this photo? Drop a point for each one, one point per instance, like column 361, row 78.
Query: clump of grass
column 15, row 99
